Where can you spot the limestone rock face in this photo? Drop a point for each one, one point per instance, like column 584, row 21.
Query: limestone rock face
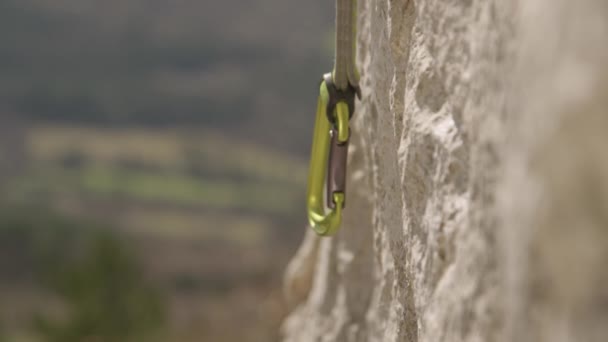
column 478, row 187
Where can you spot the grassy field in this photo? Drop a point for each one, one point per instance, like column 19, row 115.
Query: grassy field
column 170, row 169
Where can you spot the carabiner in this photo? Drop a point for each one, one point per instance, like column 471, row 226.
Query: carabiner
column 330, row 146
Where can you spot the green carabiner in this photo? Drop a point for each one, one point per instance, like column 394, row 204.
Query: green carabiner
column 335, row 107
column 327, row 140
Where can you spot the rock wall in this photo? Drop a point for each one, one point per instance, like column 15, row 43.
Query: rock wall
column 478, row 187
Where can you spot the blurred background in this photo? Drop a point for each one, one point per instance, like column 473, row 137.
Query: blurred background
column 153, row 159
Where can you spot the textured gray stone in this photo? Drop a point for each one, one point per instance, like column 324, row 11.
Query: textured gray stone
column 478, row 187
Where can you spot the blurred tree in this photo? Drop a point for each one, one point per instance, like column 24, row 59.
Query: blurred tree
column 107, row 298
column 102, row 288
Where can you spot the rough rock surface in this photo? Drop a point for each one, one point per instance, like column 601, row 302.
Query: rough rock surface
column 478, row 188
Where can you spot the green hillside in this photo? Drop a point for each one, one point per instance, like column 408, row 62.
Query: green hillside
column 246, row 68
